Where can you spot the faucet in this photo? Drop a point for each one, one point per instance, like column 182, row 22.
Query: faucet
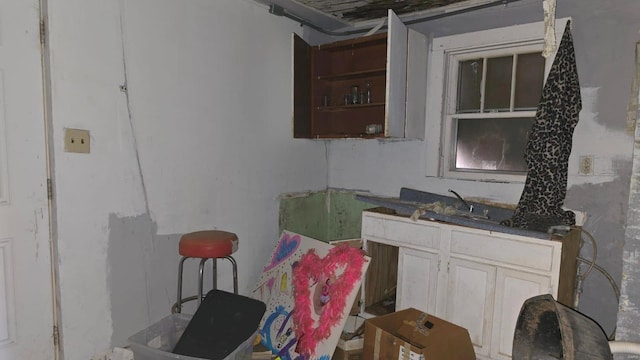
column 470, row 207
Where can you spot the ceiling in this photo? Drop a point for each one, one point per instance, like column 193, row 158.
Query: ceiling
column 339, row 14
column 358, row 10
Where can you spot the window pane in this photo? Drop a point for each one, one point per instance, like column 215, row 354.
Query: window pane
column 498, row 89
column 529, row 80
column 469, row 81
column 492, row 144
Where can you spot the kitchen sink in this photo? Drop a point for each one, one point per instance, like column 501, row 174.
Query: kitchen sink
column 432, row 206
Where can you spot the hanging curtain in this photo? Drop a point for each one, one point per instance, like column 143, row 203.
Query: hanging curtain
column 549, row 146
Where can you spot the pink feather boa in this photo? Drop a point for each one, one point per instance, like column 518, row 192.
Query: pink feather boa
column 310, row 269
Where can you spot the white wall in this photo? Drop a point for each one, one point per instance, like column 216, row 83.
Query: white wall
column 209, row 85
column 604, row 38
column 207, row 144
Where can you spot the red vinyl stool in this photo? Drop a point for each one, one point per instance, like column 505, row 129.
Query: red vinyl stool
column 205, row 245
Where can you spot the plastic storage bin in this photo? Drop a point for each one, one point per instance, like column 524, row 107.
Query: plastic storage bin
column 157, row 341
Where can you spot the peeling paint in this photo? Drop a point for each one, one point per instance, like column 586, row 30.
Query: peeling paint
column 629, row 316
column 293, row 195
column 325, row 215
column 632, row 256
column 606, row 225
column 374, row 9
column 604, row 148
column 142, row 274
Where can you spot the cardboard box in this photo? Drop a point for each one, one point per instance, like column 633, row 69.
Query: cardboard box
column 412, row 335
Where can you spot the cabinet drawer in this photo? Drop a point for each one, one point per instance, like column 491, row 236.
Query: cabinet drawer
column 406, row 233
column 530, row 254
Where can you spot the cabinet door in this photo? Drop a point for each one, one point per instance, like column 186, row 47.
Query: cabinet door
column 394, row 117
column 417, row 280
column 301, row 88
column 470, row 300
column 417, row 55
column 512, row 289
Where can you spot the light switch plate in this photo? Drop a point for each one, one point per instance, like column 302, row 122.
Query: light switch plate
column 586, row 165
column 77, row 140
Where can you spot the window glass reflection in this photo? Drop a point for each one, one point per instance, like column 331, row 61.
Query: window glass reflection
column 498, row 88
column 496, row 144
column 469, row 81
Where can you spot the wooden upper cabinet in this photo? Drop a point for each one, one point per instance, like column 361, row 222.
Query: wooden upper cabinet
column 301, row 88
column 355, row 88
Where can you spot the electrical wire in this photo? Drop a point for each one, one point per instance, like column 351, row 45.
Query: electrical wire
column 595, row 250
column 615, row 287
column 592, row 265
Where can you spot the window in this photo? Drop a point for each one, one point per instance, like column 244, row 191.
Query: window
column 487, row 86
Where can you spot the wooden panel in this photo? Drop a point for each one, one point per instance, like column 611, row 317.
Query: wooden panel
column 6, row 294
column 336, row 69
column 339, row 86
column 354, row 43
column 351, row 121
column 568, row 267
column 381, row 277
column 418, row 234
column 368, row 56
column 525, row 253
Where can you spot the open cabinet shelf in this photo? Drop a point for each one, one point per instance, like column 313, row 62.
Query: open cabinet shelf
column 373, row 67
column 353, row 75
column 355, row 107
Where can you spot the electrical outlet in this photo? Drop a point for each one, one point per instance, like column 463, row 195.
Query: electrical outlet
column 586, row 165
column 77, row 141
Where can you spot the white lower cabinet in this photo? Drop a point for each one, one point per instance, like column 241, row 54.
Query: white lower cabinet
column 512, row 288
column 417, row 292
column 474, row 278
column 469, row 300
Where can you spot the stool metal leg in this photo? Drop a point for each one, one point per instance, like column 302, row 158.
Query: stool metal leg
column 200, row 278
column 235, row 273
column 214, row 274
column 177, row 307
column 179, row 302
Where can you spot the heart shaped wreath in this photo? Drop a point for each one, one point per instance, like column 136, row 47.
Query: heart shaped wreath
column 311, row 269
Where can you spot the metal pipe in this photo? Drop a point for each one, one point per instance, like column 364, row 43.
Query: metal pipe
column 469, row 207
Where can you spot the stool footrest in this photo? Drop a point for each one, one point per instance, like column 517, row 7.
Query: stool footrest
column 177, row 307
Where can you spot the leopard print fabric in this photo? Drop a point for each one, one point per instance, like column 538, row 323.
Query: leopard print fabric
column 549, row 146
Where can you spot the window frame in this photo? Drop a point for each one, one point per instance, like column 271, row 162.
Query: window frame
column 443, row 76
